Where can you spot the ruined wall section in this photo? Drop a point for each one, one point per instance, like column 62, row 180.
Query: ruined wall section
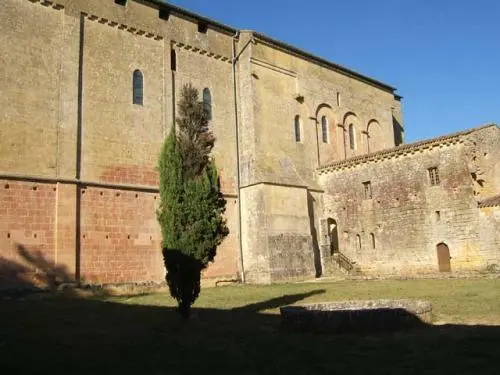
column 407, row 215
column 483, row 158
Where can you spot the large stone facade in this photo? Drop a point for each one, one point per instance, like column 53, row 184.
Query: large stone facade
column 296, row 136
column 389, row 212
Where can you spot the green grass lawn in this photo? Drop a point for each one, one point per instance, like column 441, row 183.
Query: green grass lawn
column 236, row 330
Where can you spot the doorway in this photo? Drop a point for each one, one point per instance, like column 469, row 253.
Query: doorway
column 333, row 235
column 443, row 254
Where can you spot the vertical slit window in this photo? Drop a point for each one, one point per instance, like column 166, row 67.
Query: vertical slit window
column 297, row 128
column 372, row 237
column 207, row 102
column 352, row 143
column 324, row 129
column 173, row 61
column 138, row 88
column 358, row 241
column 367, row 187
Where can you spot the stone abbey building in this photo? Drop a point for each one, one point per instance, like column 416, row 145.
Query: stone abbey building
column 312, row 156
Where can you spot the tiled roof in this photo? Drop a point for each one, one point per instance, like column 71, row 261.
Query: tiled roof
column 490, row 202
column 402, row 149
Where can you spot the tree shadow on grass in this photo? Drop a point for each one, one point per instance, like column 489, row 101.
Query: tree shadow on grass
column 107, row 336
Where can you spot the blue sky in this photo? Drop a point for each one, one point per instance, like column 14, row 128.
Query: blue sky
column 442, row 55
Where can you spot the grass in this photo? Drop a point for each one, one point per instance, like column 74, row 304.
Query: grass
column 236, row 330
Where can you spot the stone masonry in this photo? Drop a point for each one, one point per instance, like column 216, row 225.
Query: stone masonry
column 297, row 136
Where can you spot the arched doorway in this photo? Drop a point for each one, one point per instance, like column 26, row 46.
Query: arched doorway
column 333, row 235
column 443, row 255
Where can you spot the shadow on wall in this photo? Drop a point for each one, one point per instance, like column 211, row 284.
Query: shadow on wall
column 398, row 132
column 35, row 274
column 314, row 234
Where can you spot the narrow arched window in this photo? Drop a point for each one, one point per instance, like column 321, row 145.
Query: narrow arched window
column 137, row 88
column 352, row 142
column 372, row 236
column 324, row 129
column 358, row 241
column 207, row 102
column 173, row 61
column 297, row 128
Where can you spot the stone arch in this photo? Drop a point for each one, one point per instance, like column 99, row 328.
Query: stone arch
column 443, row 257
column 303, row 110
column 325, row 110
column 352, row 133
column 333, row 235
column 375, row 136
column 320, row 107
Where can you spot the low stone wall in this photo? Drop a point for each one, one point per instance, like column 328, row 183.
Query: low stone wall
column 357, row 316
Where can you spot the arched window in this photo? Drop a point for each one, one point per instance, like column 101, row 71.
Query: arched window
column 372, row 237
column 173, row 61
column 207, row 102
column 352, row 142
column 297, row 128
column 324, row 129
column 358, row 241
column 137, row 88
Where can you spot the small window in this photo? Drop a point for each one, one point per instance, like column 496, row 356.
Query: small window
column 352, row 142
column 324, row 129
column 173, row 61
column 433, row 176
column 367, row 187
column 297, row 128
column 372, row 237
column 358, row 241
column 438, row 215
column 207, row 102
column 137, row 88
column 202, row 27
column 164, row 14
column 338, row 99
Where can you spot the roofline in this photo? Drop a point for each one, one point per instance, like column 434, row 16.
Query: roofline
column 274, row 42
column 188, row 14
column 324, row 62
column 493, row 201
column 453, row 137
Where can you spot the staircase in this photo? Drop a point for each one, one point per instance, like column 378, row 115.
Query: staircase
column 345, row 264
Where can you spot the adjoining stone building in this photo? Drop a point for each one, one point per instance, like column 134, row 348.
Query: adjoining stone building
column 88, row 93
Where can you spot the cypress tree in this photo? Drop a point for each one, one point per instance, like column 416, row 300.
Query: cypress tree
column 191, row 204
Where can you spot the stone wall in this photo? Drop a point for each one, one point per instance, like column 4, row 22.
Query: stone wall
column 68, row 122
column 276, row 230
column 103, row 230
column 393, row 225
column 489, row 233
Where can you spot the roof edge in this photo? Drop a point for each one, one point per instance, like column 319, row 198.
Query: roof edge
column 402, row 148
column 493, row 201
column 325, row 62
column 275, row 42
column 191, row 15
